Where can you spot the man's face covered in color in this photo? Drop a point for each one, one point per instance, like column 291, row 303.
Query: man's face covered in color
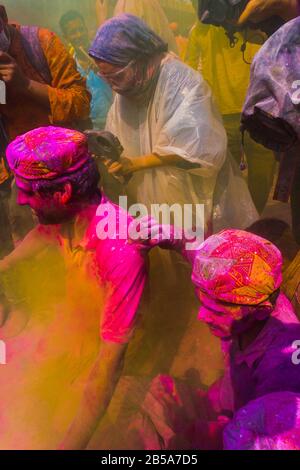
column 49, row 209
column 226, row 320
column 219, row 317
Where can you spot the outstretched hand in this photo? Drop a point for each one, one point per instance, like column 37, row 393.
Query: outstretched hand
column 150, row 233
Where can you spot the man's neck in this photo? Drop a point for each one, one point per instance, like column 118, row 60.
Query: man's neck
column 83, row 213
column 248, row 337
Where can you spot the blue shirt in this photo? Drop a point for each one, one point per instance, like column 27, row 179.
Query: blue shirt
column 102, row 96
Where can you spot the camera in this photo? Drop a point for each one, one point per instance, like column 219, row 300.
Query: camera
column 220, row 12
column 104, row 144
column 225, row 13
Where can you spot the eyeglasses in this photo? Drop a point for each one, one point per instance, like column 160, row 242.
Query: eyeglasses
column 116, row 76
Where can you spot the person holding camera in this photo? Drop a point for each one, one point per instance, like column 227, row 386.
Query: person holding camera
column 227, row 70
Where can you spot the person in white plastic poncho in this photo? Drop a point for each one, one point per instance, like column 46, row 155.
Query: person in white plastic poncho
column 164, row 116
column 174, row 148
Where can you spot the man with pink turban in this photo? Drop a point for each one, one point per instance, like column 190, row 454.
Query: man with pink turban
column 104, row 280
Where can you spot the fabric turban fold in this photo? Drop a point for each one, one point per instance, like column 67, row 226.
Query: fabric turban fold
column 48, row 153
column 238, row 267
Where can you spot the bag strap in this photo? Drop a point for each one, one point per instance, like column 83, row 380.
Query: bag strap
column 34, row 51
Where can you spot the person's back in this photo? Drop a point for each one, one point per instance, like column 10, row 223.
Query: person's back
column 227, row 70
column 222, row 66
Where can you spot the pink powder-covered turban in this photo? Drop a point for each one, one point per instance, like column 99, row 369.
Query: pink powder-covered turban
column 47, row 153
column 238, row 267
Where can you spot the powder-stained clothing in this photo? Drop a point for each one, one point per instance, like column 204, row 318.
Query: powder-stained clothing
column 82, row 291
column 228, row 75
column 222, row 66
column 291, row 282
column 181, row 119
column 267, row 365
column 48, row 153
column 68, row 96
column 121, row 269
column 271, row 422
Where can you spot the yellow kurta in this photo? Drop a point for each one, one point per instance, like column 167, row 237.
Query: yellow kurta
column 221, row 66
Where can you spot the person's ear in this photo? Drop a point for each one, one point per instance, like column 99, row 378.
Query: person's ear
column 264, row 311
column 67, row 193
column 64, row 196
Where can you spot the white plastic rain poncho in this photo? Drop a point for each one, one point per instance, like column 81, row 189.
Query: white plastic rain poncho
column 181, row 119
column 154, row 16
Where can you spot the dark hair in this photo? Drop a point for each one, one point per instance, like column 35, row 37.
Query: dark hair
column 3, row 14
column 84, row 183
column 71, row 15
column 270, row 228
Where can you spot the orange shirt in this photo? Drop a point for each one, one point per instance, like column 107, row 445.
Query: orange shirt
column 68, row 95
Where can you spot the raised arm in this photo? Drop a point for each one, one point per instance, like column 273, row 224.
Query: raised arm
column 260, row 10
column 122, row 268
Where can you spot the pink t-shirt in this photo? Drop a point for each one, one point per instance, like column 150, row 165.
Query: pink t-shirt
column 122, row 268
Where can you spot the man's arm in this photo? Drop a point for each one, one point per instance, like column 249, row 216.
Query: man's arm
column 68, row 96
column 122, row 271
column 127, row 166
column 13, row 76
column 35, row 241
column 260, row 10
column 97, row 395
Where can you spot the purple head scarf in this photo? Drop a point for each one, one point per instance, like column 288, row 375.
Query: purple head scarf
column 125, row 38
column 271, row 111
column 271, row 422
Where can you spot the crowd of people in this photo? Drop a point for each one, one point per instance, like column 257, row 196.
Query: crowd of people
column 98, row 314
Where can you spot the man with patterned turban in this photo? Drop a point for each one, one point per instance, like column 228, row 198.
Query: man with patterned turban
column 238, row 277
column 104, row 281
